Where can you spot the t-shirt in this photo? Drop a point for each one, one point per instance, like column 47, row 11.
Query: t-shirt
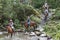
column 11, row 24
column 28, row 21
column 46, row 11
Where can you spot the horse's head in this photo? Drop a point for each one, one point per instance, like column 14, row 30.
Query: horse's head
column 9, row 29
column 7, row 26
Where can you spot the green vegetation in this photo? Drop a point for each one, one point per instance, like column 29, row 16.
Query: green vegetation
column 36, row 19
column 52, row 28
column 52, row 3
column 18, row 11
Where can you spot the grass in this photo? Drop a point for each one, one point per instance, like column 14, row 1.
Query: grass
column 52, row 28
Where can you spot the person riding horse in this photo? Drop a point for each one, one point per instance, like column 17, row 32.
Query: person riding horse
column 11, row 24
column 28, row 21
column 30, row 25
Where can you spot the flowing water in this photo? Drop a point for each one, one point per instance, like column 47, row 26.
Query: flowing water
column 18, row 36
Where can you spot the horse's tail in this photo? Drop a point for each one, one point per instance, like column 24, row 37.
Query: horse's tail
column 35, row 26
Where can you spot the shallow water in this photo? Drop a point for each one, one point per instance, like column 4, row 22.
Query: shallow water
column 21, row 36
column 17, row 36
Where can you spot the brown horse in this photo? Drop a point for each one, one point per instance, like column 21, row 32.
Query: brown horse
column 9, row 29
column 32, row 24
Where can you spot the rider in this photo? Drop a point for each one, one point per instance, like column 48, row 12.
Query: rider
column 28, row 21
column 11, row 24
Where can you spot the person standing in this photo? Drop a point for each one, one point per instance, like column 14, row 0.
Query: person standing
column 46, row 11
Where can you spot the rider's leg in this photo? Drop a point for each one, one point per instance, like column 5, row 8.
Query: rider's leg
column 28, row 27
column 13, row 28
column 45, row 18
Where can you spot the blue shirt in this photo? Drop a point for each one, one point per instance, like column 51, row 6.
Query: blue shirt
column 28, row 21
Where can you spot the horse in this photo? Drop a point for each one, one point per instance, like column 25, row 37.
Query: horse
column 10, row 30
column 32, row 24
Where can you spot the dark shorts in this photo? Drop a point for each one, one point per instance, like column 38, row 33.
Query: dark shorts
column 28, row 25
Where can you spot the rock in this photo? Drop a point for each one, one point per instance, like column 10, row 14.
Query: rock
column 34, row 38
column 43, row 35
column 26, row 33
column 37, row 32
column 40, row 28
column 1, row 32
column 32, row 34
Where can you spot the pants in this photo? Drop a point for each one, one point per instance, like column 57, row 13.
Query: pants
column 28, row 24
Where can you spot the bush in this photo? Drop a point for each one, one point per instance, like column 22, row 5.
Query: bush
column 17, row 23
column 56, row 14
column 52, row 28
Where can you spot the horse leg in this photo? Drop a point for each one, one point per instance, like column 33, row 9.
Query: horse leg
column 13, row 32
column 35, row 26
column 11, row 35
column 7, row 34
column 26, row 28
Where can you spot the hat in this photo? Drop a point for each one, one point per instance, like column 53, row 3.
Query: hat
column 10, row 20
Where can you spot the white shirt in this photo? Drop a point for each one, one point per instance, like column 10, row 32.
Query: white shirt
column 46, row 11
column 11, row 24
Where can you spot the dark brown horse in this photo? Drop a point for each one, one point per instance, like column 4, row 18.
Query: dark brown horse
column 32, row 24
column 9, row 29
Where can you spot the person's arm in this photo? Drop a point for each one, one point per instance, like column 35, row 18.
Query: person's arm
column 12, row 23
